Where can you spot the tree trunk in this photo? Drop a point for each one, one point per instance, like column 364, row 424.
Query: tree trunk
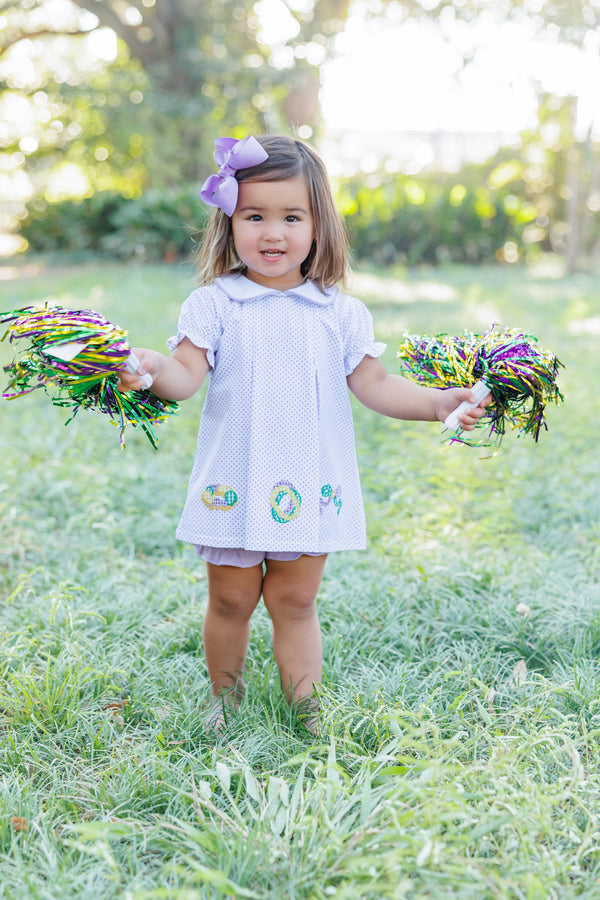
column 573, row 196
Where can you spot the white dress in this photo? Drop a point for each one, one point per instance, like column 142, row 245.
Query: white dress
column 275, row 466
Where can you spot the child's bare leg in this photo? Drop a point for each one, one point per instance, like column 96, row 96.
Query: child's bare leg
column 233, row 594
column 290, row 595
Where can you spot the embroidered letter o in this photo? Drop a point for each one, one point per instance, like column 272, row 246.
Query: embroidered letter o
column 285, row 502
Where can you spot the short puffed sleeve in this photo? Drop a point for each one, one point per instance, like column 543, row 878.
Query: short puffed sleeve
column 357, row 334
column 201, row 320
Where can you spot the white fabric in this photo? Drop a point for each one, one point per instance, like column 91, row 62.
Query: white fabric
column 275, row 465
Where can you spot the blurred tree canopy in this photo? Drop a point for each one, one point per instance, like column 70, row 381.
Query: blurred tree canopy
column 207, row 68
column 82, row 110
column 571, row 153
column 144, row 110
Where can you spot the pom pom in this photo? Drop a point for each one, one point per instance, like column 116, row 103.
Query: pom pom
column 75, row 356
column 520, row 374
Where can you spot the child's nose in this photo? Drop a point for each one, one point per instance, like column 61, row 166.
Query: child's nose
column 273, row 231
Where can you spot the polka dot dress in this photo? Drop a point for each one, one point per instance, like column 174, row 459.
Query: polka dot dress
column 275, row 465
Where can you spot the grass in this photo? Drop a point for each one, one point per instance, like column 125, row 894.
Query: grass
column 461, row 699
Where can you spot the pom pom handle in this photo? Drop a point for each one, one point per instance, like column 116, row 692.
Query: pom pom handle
column 132, row 365
column 480, row 391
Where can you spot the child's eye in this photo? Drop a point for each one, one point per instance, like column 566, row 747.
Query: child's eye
column 292, row 219
column 254, row 217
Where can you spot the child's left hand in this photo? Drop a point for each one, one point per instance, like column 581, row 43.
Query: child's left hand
column 451, row 398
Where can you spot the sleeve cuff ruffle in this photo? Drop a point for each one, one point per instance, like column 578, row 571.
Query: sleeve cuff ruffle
column 374, row 349
column 198, row 341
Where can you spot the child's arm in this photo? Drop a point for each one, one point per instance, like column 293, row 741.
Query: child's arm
column 395, row 396
column 174, row 377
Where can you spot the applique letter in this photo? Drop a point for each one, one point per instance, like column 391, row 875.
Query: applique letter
column 219, row 496
column 328, row 494
column 285, row 502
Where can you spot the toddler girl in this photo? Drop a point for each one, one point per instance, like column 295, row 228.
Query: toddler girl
column 274, row 486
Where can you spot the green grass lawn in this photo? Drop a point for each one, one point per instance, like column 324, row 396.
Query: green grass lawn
column 461, row 703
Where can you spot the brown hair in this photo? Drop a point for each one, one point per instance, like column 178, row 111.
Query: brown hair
column 327, row 262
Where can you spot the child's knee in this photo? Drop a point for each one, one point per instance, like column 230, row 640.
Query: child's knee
column 292, row 602
column 233, row 592
column 232, row 603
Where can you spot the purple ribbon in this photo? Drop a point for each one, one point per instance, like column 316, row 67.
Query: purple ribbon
column 230, row 155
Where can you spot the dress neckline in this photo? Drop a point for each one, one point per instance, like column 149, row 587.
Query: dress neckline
column 240, row 288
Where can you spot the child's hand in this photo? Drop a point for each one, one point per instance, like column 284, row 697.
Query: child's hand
column 451, row 398
column 150, row 363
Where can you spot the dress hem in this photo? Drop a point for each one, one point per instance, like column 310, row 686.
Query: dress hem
column 210, row 542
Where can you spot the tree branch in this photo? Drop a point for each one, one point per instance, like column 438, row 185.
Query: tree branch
column 104, row 13
column 145, row 51
column 42, row 32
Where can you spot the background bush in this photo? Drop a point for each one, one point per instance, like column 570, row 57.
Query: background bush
column 499, row 210
column 436, row 219
column 159, row 225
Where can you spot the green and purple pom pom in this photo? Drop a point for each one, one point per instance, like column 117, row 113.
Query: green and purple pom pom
column 75, row 355
column 520, row 374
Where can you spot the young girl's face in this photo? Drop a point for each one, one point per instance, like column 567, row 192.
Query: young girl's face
column 273, row 230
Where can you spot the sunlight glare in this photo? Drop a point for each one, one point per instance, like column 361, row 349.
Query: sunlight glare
column 390, row 76
column 277, row 24
column 66, row 182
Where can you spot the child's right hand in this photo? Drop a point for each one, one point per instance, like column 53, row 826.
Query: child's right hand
column 150, row 363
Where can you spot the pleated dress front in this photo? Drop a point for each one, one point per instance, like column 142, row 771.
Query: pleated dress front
column 275, row 466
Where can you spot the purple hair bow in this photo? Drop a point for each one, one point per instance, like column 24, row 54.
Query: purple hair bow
column 230, row 155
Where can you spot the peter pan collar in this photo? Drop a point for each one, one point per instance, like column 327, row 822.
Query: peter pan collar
column 240, row 288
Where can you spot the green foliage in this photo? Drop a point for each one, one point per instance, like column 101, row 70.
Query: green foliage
column 73, row 225
column 509, row 208
column 75, row 121
column 157, row 225
column 432, row 219
column 539, row 197
column 468, row 216
column 146, row 113
column 460, row 750
column 105, row 129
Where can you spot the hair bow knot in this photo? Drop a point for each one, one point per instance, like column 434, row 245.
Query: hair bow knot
column 230, row 155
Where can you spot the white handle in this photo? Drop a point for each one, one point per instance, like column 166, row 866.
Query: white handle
column 480, row 390
column 132, row 365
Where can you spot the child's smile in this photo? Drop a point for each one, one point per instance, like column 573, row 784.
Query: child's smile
column 273, row 230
